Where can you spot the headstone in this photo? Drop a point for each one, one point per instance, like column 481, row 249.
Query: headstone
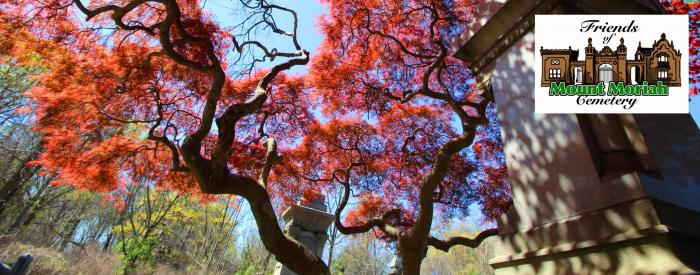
column 575, row 211
column 307, row 222
column 20, row 267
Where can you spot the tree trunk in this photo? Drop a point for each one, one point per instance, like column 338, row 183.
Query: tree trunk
column 330, row 254
column 214, row 177
column 27, row 212
column 211, row 256
column 331, row 247
column 410, row 262
column 289, row 252
column 69, row 236
column 13, row 186
column 18, row 220
column 108, row 241
column 412, row 249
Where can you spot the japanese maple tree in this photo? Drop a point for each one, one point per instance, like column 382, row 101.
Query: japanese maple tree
column 404, row 112
column 692, row 9
column 158, row 91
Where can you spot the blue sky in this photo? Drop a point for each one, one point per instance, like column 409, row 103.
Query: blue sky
column 695, row 109
column 308, row 12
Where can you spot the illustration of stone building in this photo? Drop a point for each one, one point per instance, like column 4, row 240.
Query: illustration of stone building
column 661, row 62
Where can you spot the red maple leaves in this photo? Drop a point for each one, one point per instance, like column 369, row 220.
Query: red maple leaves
column 114, row 106
column 692, row 9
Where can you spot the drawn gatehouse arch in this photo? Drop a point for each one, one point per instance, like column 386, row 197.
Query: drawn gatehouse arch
column 605, row 73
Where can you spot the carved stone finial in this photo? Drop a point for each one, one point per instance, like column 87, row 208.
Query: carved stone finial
column 622, row 41
column 663, row 36
column 307, row 222
column 590, row 42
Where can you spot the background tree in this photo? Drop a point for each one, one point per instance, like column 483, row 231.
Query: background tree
column 459, row 260
column 20, row 145
column 335, row 239
column 182, row 232
column 363, row 254
column 138, row 234
column 253, row 258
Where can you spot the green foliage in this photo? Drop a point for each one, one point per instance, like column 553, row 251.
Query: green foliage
column 362, row 255
column 254, row 258
column 251, row 270
column 192, row 235
column 14, row 80
column 460, row 260
column 141, row 250
column 59, row 221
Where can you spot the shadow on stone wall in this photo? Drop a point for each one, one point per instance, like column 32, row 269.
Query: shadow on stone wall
column 564, row 219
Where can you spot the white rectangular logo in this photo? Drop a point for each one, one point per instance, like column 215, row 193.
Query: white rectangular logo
column 611, row 64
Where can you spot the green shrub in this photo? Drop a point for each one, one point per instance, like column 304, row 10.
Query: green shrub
column 134, row 251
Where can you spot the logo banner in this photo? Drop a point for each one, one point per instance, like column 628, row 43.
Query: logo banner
column 611, row 64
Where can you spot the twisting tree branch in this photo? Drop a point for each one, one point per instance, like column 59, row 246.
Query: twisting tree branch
column 213, row 174
column 432, row 61
column 381, row 222
column 271, row 157
column 445, row 245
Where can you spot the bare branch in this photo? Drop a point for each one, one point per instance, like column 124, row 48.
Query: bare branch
column 379, row 222
column 445, row 245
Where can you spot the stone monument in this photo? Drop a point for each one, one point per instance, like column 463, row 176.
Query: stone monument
column 592, row 194
column 307, row 222
column 395, row 267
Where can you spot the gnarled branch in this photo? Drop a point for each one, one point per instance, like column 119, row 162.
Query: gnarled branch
column 445, row 245
column 271, row 157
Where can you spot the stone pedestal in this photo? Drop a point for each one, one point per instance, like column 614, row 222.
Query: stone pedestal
column 307, row 224
column 395, row 267
column 567, row 216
